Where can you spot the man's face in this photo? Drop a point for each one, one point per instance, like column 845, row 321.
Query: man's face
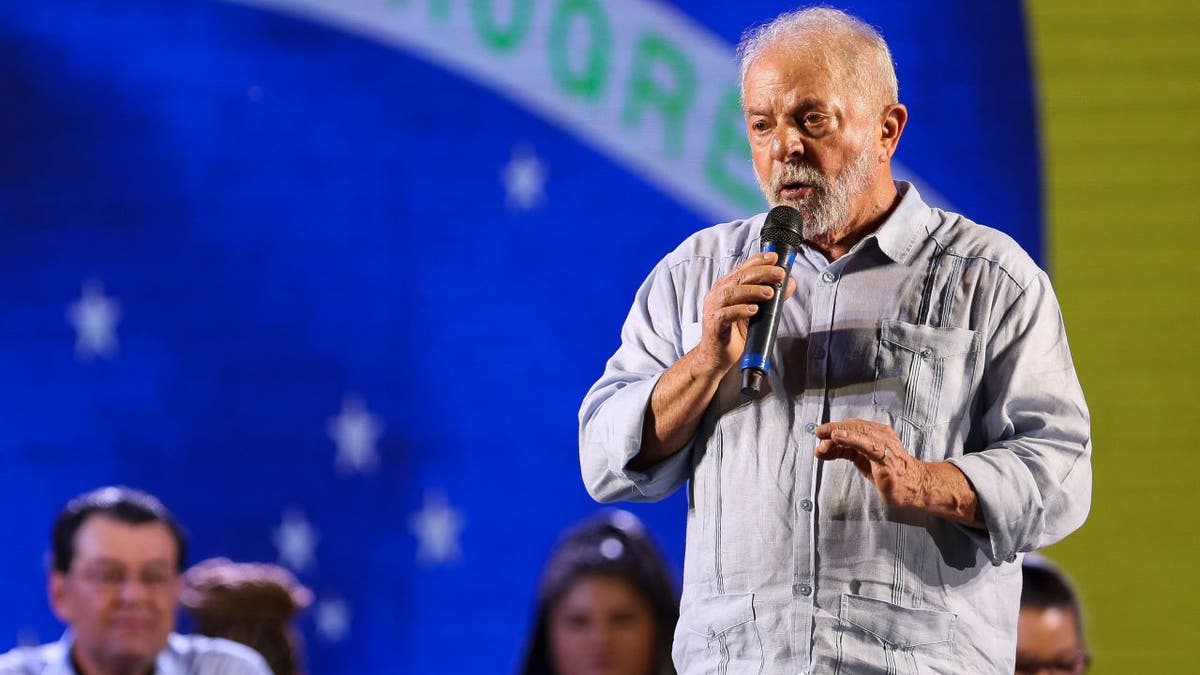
column 1048, row 642
column 811, row 138
column 120, row 593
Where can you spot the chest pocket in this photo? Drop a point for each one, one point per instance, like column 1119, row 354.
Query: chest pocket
column 924, row 375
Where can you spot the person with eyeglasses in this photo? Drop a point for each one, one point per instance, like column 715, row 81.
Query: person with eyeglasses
column 1050, row 627
column 114, row 579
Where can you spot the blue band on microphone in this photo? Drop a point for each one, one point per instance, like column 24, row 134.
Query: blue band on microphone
column 757, row 361
column 769, row 247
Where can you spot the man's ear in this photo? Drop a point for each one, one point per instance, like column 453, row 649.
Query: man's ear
column 59, row 596
column 894, row 119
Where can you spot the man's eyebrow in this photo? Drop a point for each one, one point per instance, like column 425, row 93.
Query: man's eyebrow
column 803, row 105
column 104, row 560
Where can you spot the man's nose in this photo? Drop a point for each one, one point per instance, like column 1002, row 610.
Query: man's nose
column 134, row 589
column 786, row 144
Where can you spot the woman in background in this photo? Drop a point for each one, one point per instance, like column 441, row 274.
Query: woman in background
column 250, row 603
column 606, row 604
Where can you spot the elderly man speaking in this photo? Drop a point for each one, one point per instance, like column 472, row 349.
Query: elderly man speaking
column 921, row 426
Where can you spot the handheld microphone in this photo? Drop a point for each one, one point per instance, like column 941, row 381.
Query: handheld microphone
column 781, row 233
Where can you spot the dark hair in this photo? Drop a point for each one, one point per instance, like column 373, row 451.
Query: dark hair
column 612, row 544
column 122, row 504
column 1045, row 586
column 250, row 603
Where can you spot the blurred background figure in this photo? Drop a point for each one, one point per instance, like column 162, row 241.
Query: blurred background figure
column 1050, row 628
column 114, row 580
column 606, row 603
column 250, row 603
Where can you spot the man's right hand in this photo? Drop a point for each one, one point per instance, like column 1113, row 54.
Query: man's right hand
column 728, row 308
column 685, row 389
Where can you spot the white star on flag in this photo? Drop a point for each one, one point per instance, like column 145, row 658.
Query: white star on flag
column 95, row 318
column 333, row 619
column 296, row 540
column 355, row 431
column 524, row 180
column 437, row 526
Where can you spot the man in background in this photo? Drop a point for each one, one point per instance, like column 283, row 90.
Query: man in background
column 1050, row 627
column 114, row 579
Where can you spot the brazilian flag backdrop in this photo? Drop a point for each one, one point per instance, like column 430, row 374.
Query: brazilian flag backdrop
column 332, row 276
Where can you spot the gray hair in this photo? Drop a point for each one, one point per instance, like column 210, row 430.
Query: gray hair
column 853, row 50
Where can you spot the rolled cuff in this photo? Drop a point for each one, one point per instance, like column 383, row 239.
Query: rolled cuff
column 613, row 437
column 1011, row 503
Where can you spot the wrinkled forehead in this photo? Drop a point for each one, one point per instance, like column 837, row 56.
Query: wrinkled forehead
column 102, row 539
column 794, row 71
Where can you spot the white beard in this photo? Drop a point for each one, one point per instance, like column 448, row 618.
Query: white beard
column 827, row 208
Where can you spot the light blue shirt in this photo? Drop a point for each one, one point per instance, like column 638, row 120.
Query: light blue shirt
column 184, row 655
column 941, row 328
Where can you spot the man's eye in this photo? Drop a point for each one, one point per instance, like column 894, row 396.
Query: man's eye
column 111, row 577
column 813, row 119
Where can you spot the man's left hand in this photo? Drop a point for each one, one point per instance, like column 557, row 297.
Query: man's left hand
column 879, row 456
column 900, row 479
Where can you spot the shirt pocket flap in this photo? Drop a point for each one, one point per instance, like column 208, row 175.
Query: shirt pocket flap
column 900, row 627
column 929, row 341
column 716, row 615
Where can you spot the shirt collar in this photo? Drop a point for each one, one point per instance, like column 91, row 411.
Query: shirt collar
column 58, row 661
column 58, row 657
column 898, row 236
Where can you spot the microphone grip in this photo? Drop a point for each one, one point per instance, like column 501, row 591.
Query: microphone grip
column 760, row 336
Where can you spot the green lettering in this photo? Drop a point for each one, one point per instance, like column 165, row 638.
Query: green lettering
column 729, row 142
column 588, row 81
column 502, row 38
column 653, row 51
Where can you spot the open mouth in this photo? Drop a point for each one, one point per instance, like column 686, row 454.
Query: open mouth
column 795, row 190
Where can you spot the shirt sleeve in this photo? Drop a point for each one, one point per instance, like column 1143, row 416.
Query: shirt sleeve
column 19, row 662
column 1034, row 481
column 610, row 419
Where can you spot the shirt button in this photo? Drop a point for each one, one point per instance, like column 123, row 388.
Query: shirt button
column 711, row 632
column 806, row 504
column 829, row 277
column 804, row 589
column 810, row 427
column 926, row 353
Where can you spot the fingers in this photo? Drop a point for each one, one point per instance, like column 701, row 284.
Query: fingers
column 768, row 258
column 831, row 450
column 759, row 268
column 870, row 445
column 734, row 295
column 752, row 282
column 727, row 316
column 872, row 440
column 863, row 426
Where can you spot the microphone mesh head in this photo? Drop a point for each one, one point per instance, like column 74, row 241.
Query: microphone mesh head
column 784, row 225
